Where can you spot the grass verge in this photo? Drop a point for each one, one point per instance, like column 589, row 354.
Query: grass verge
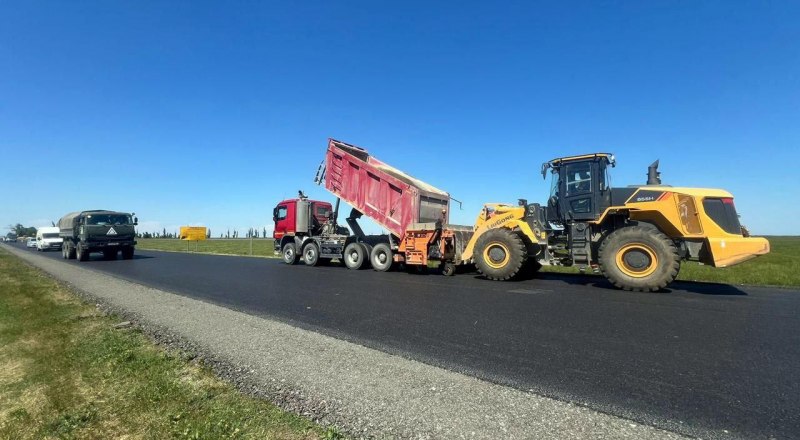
column 65, row 372
column 261, row 247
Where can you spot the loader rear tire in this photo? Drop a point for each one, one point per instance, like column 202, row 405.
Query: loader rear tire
column 639, row 259
column 500, row 254
column 355, row 256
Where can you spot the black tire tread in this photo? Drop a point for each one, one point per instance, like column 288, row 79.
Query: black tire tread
column 666, row 251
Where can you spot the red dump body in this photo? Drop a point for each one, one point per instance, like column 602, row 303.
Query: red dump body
column 388, row 196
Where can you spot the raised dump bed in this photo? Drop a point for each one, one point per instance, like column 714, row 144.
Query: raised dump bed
column 390, row 197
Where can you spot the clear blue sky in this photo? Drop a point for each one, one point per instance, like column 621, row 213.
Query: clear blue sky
column 209, row 113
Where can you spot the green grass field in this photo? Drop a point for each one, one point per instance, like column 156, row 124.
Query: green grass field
column 65, row 372
column 261, row 247
column 781, row 267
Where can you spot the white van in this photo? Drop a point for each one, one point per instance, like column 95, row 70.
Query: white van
column 47, row 239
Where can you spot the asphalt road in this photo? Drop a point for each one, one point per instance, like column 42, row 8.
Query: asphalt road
column 708, row 360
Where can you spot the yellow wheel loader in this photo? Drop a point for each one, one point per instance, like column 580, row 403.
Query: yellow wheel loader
column 636, row 236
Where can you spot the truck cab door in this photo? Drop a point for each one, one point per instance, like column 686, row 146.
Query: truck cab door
column 283, row 223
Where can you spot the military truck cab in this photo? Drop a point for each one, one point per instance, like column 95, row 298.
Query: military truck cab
column 108, row 232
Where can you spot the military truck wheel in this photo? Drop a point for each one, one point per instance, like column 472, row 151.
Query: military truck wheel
column 381, row 257
column 81, row 254
column 355, row 255
column 311, row 254
column 72, row 254
column 289, row 253
column 64, row 251
column 127, row 253
column 500, row 254
column 639, row 259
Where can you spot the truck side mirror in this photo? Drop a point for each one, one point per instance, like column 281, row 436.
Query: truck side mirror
column 135, row 221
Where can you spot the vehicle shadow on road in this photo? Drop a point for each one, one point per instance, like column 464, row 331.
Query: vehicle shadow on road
column 597, row 281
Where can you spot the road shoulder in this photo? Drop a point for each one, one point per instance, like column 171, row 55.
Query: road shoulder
column 364, row 391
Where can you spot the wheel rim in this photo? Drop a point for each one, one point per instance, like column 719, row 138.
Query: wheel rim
column 380, row 258
column 637, row 260
column 288, row 254
column 496, row 255
column 310, row 254
column 352, row 257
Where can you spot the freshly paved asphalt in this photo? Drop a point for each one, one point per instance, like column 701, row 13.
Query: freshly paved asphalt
column 701, row 359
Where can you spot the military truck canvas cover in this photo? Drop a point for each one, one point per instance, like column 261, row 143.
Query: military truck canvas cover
column 66, row 224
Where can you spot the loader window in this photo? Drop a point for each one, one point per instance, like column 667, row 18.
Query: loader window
column 579, row 178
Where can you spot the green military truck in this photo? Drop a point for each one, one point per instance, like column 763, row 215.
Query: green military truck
column 109, row 232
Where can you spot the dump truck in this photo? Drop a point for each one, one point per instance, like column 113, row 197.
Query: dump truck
column 414, row 213
column 108, row 232
column 636, row 236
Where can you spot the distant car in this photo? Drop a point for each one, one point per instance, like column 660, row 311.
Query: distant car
column 31, row 243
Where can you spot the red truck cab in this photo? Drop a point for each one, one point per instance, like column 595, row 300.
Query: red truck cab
column 288, row 222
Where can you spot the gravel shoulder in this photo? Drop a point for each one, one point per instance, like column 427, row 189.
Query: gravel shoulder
column 364, row 392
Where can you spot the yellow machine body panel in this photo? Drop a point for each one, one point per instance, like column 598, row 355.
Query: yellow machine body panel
column 500, row 215
column 679, row 212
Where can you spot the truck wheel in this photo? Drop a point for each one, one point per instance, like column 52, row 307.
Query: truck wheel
column 500, row 254
column 127, row 253
column 64, row 252
column 354, row 255
column 639, row 259
column 81, row 254
column 448, row 268
column 289, row 253
column 311, row 254
column 381, row 257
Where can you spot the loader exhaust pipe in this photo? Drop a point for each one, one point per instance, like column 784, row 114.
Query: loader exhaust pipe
column 653, row 176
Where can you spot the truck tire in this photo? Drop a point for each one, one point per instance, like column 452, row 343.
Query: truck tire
column 127, row 253
column 639, row 259
column 311, row 254
column 65, row 251
column 355, row 254
column 500, row 254
column 381, row 257
column 81, row 255
column 289, row 253
column 448, row 268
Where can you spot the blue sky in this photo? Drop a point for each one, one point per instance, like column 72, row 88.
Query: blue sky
column 209, row 113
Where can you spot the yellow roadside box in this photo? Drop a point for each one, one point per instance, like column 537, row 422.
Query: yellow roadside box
column 193, row 233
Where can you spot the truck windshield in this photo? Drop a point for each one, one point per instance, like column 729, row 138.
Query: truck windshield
column 50, row 235
column 108, row 219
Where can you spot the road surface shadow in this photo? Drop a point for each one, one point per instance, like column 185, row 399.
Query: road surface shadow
column 599, row 282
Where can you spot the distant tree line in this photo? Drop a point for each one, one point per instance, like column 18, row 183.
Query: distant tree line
column 21, row 231
column 250, row 233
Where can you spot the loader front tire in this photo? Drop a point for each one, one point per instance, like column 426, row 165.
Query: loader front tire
column 500, row 254
column 639, row 259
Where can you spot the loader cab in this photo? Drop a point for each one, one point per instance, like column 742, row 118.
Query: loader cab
column 580, row 188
